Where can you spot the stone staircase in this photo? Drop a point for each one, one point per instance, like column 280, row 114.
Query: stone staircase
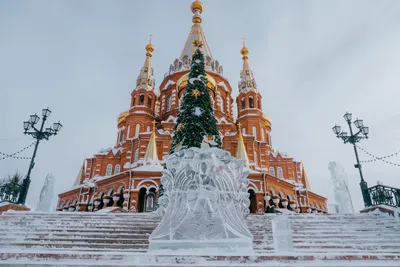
column 121, row 239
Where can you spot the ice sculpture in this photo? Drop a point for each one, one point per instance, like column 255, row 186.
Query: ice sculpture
column 204, row 204
column 47, row 194
column 282, row 233
column 340, row 188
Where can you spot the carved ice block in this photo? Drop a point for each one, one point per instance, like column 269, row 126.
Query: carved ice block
column 282, row 233
column 204, row 204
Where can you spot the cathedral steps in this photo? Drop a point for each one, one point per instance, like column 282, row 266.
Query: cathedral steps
column 70, row 238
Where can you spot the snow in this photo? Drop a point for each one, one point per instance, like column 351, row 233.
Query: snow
column 340, row 188
column 170, row 82
column 149, row 168
column 198, row 111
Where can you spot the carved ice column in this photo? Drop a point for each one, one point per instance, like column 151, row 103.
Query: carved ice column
column 204, row 204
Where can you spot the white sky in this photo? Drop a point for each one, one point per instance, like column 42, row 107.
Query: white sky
column 313, row 61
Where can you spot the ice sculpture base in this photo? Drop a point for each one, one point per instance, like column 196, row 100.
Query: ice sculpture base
column 204, row 204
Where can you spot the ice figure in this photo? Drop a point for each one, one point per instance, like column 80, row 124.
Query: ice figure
column 340, row 188
column 46, row 195
column 204, row 204
column 282, row 234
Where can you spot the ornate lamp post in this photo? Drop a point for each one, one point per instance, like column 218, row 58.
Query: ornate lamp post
column 354, row 138
column 30, row 129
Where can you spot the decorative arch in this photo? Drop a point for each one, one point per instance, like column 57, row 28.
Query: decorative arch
column 272, row 191
column 142, row 184
column 120, row 189
column 61, row 205
column 252, row 186
column 289, row 197
column 68, row 202
column 110, row 192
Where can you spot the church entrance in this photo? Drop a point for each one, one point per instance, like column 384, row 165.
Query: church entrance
column 253, row 202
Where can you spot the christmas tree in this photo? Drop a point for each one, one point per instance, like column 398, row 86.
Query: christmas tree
column 196, row 119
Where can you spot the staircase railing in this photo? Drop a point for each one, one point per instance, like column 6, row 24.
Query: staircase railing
column 10, row 192
column 384, row 195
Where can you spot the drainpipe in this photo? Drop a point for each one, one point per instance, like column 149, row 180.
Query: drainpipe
column 265, row 189
column 130, row 174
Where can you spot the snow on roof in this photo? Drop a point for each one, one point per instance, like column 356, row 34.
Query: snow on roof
column 149, row 168
column 168, row 84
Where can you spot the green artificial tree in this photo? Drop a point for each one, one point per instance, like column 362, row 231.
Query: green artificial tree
column 196, row 117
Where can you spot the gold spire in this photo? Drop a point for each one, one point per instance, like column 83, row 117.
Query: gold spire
column 146, row 79
column 241, row 149
column 151, row 156
column 149, row 47
column 305, row 177
column 247, row 82
column 196, row 34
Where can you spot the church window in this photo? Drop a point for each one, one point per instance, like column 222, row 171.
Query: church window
column 280, row 173
column 134, row 101
column 137, row 130
column 243, row 103
column 243, row 130
column 272, row 171
column 148, row 128
column 109, row 170
column 122, row 137
column 117, row 169
column 251, row 102
column 136, row 155
column 141, row 99
column 169, row 102
column 254, row 128
column 149, row 102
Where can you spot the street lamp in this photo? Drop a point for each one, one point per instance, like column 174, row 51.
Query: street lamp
column 30, row 129
column 354, row 138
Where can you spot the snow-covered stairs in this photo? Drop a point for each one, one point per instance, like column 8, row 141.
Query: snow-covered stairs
column 101, row 239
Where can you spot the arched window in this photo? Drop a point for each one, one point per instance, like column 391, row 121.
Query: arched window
column 148, row 128
column 243, row 103
column 251, row 102
column 122, row 137
column 117, row 169
column 141, row 99
column 254, row 128
column 109, row 170
column 280, row 172
column 137, row 131
column 272, row 171
column 243, row 130
column 255, row 158
column 169, row 102
column 149, row 101
column 134, row 101
column 136, row 155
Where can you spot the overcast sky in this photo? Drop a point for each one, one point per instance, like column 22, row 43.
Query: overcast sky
column 313, row 61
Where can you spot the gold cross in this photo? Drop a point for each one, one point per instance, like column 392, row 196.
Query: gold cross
column 239, row 125
column 151, row 37
column 244, row 41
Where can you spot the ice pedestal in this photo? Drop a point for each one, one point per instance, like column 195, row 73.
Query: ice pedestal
column 204, row 204
column 282, row 233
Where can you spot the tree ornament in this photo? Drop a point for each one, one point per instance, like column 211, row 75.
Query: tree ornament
column 180, row 127
column 195, row 93
column 188, row 118
column 197, row 70
column 192, row 133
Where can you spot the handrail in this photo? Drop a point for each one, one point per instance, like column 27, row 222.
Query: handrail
column 384, row 195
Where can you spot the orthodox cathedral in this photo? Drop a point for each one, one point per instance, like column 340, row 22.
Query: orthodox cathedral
column 128, row 175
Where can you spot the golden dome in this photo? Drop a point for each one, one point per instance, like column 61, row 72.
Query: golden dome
column 197, row 6
column 122, row 116
column 150, row 48
column 244, row 51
